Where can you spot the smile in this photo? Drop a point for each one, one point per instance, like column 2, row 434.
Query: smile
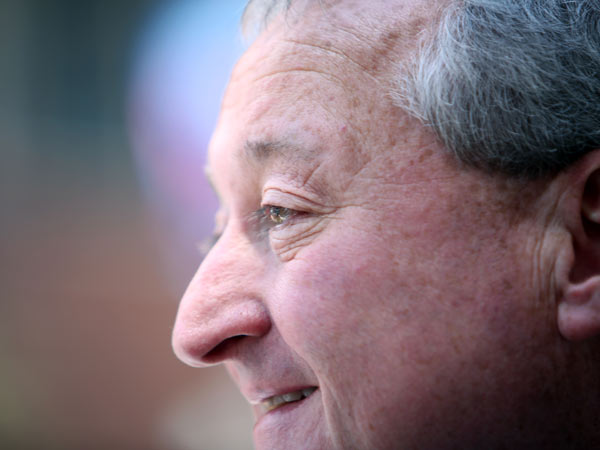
column 277, row 401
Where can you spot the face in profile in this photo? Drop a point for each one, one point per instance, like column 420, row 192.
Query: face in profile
column 360, row 295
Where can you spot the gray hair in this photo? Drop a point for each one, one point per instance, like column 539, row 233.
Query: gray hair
column 258, row 13
column 509, row 86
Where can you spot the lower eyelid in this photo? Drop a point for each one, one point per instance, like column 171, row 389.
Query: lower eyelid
column 288, row 241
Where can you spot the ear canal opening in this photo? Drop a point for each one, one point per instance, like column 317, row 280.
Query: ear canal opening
column 587, row 247
column 590, row 203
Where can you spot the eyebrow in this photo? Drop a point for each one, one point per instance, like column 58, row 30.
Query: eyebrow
column 261, row 151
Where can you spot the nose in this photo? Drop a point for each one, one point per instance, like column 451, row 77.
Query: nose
column 222, row 309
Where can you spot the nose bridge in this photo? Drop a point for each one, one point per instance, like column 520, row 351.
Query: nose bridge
column 222, row 302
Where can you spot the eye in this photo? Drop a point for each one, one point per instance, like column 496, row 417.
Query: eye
column 277, row 214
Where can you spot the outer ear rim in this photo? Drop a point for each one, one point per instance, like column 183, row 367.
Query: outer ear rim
column 578, row 315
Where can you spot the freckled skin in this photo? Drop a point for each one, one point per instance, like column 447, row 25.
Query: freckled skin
column 406, row 291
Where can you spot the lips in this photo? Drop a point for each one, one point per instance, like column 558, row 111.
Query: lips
column 277, row 401
column 293, row 408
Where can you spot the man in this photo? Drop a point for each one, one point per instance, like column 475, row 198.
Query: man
column 409, row 251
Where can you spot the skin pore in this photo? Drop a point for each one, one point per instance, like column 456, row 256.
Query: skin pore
column 413, row 298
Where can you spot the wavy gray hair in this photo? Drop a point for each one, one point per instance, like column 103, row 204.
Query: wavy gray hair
column 510, row 86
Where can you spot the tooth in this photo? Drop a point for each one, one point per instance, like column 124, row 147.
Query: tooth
column 292, row 396
column 268, row 406
column 277, row 400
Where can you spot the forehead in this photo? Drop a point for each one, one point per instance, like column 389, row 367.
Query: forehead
column 363, row 37
column 320, row 77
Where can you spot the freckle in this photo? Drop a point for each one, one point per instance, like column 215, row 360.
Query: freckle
column 393, row 35
column 355, row 102
column 411, row 162
column 426, row 154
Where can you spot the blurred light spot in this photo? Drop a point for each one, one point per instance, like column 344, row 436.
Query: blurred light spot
column 179, row 75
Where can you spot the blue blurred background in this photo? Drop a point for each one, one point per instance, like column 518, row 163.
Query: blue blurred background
column 106, row 109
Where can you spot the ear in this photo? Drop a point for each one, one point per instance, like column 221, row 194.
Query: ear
column 579, row 301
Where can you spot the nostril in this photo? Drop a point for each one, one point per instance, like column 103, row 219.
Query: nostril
column 221, row 351
column 210, row 331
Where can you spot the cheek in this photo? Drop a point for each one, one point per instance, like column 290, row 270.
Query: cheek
column 330, row 300
column 329, row 311
column 412, row 328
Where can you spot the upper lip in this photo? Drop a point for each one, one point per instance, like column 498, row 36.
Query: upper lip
column 260, row 378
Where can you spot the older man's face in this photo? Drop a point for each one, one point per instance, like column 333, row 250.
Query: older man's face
column 355, row 258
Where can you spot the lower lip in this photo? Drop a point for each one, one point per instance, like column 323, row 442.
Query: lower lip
column 282, row 416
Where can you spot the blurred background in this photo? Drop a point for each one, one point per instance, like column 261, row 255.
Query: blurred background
column 106, row 109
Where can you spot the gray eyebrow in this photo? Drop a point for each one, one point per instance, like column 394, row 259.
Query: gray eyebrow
column 261, row 151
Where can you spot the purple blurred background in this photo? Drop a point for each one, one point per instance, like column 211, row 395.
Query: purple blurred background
column 106, row 109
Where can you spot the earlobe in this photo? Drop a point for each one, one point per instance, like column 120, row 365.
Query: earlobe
column 579, row 311
column 579, row 302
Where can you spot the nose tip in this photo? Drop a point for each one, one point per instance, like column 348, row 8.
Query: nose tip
column 213, row 333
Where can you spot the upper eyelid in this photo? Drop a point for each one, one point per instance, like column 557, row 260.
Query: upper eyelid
column 277, row 196
column 297, row 201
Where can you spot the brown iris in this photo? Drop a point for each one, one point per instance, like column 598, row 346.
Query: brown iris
column 277, row 214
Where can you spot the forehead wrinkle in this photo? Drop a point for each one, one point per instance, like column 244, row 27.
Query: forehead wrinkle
column 381, row 48
column 297, row 95
column 327, row 75
column 298, row 54
column 335, row 52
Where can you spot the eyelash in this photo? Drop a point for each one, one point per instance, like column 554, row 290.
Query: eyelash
column 272, row 217
column 266, row 218
column 276, row 215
